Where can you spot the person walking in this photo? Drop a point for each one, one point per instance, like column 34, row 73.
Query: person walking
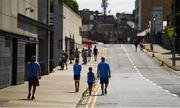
column 95, row 52
column 33, row 77
column 84, row 55
column 104, row 72
column 90, row 79
column 136, row 44
column 77, row 74
column 64, row 59
column 89, row 54
column 76, row 53
column 71, row 52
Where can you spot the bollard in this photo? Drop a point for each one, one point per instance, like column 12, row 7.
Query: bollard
column 161, row 63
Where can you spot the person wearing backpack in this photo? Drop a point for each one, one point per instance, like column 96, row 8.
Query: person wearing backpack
column 90, row 79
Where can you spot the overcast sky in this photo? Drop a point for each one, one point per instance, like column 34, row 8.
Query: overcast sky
column 115, row 6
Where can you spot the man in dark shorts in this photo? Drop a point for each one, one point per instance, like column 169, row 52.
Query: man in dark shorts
column 104, row 72
column 95, row 52
column 64, row 59
column 77, row 74
column 33, row 76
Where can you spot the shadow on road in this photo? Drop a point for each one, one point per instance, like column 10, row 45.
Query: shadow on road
column 71, row 92
column 97, row 95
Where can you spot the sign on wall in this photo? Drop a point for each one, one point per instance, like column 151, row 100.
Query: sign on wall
column 157, row 18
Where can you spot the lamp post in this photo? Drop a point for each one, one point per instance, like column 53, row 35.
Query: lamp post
column 153, row 36
column 150, row 31
column 174, row 37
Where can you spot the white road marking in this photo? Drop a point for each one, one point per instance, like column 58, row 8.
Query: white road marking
column 136, row 69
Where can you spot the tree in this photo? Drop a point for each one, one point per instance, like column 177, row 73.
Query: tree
column 169, row 32
column 73, row 5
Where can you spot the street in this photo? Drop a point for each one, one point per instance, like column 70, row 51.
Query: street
column 137, row 81
column 49, row 49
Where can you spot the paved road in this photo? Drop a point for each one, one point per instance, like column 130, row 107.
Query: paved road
column 137, row 81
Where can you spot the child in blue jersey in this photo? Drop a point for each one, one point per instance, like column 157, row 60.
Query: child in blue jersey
column 77, row 74
column 33, row 76
column 90, row 79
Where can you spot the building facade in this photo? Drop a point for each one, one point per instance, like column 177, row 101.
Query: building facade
column 23, row 33
column 66, row 34
column 15, row 33
column 44, row 36
column 145, row 10
column 88, row 22
column 121, row 16
column 104, row 19
column 106, row 33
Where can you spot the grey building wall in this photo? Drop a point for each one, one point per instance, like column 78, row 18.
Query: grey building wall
column 66, row 33
column 14, row 36
column 21, row 62
column 5, row 61
column 58, row 31
column 8, row 16
column 43, row 36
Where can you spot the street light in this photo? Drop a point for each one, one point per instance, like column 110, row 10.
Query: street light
column 174, row 37
column 153, row 36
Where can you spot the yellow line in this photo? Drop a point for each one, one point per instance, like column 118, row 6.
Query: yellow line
column 88, row 105
column 95, row 98
column 91, row 99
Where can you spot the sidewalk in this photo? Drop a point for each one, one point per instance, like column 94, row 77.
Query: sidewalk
column 55, row 90
column 164, row 56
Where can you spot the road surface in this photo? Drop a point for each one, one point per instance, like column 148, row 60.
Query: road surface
column 137, row 80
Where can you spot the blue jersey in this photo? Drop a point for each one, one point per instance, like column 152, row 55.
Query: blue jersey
column 33, row 69
column 89, row 51
column 77, row 69
column 104, row 69
column 90, row 77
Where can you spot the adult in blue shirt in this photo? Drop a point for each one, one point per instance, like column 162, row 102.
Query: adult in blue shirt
column 104, row 72
column 33, row 76
column 77, row 74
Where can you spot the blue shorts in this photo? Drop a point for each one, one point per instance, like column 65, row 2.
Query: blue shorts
column 104, row 80
column 76, row 77
column 90, row 84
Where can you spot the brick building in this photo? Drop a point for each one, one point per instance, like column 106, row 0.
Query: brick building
column 145, row 10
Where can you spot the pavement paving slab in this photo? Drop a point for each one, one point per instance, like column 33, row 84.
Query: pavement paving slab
column 55, row 90
column 164, row 56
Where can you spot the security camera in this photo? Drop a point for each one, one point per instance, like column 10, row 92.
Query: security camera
column 31, row 10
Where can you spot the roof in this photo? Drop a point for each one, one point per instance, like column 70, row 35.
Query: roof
column 85, row 40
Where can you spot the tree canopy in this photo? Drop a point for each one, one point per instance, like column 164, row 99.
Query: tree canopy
column 170, row 32
column 72, row 4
